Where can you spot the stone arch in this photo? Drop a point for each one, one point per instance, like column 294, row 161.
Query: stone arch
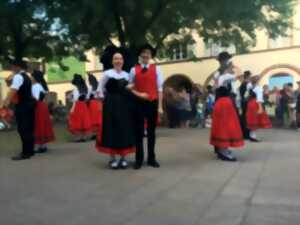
column 177, row 81
column 276, row 69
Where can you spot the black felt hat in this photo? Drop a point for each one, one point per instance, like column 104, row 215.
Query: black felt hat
column 224, row 56
column 147, row 47
column 19, row 63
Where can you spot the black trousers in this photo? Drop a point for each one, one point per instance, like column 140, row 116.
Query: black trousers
column 25, row 122
column 146, row 111
column 243, row 119
column 173, row 116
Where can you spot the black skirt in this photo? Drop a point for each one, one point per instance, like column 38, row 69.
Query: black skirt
column 118, row 127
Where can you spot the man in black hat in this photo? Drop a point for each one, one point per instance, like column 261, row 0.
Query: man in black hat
column 20, row 94
column 147, row 78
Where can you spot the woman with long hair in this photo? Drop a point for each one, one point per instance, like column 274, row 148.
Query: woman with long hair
column 43, row 128
column 79, row 122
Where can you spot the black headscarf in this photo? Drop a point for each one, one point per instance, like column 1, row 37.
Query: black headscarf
column 93, row 81
column 39, row 77
column 106, row 58
column 79, row 82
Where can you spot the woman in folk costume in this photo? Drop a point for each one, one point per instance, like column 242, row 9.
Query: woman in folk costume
column 43, row 128
column 79, row 118
column 94, row 104
column 226, row 130
column 116, row 135
column 256, row 116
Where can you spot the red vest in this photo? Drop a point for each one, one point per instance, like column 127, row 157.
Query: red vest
column 146, row 81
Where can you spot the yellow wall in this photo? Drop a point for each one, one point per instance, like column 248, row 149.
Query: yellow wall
column 256, row 62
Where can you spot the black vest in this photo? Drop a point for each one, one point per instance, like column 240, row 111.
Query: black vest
column 24, row 92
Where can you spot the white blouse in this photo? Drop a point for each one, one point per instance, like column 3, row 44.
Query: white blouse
column 112, row 73
column 36, row 90
column 75, row 95
column 258, row 90
column 97, row 94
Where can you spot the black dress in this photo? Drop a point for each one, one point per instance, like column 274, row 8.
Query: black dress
column 117, row 133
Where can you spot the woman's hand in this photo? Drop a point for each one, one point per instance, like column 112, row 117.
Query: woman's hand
column 144, row 96
column 260, row 109
column 130, row 86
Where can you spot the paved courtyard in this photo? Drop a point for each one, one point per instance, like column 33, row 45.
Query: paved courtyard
column 72, row 186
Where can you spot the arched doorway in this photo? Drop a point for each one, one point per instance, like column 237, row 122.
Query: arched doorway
column 278, row 80
column 178, row 81
column 172, row 86
column 280, row 74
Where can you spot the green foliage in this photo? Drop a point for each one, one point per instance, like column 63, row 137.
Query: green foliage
column 56, row 73
column 50, row 29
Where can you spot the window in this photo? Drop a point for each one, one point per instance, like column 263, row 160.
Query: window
column 214, row 49
column 280, row 42
column 179, row 51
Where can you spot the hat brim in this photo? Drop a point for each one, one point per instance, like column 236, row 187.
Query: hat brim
column 147, row 47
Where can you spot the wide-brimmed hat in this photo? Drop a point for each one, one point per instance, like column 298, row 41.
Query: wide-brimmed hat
column 147, row 47
column 224, row 56
column 19, row 63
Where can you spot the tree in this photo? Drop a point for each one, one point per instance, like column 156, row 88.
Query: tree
column 97, row 23
column 27, row 31
column 50, row 29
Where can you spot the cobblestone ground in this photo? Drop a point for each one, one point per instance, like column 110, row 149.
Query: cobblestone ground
column 71, row 185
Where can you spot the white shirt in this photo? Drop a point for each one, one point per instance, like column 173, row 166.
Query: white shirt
column 75, row 95
column 17, row 81
column 224, row 79
column 112, row 73
column 258, row 90
column 160, row 79
column 36, row 90
column 97, row 93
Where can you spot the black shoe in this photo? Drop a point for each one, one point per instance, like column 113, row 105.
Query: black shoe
column 254, row 140
column 41, row 150
column 137, row 166
column 227, row 156
column 114, row 165
column 153, row 164
column 123, row 164
column 21, row 157
column 93, row 138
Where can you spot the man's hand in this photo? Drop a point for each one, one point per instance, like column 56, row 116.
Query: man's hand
column 5, row 103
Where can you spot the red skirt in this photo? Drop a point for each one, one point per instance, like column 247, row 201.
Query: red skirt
column 111, row 151
column 43, row 128
column 226, row 130
column 254, row 119
column 79, row 119
column 95, row 109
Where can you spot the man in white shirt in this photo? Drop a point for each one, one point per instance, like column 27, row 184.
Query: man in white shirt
column 20, row 93
column 147, row 78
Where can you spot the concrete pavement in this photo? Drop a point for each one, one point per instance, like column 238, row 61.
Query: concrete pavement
column 72, row 186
